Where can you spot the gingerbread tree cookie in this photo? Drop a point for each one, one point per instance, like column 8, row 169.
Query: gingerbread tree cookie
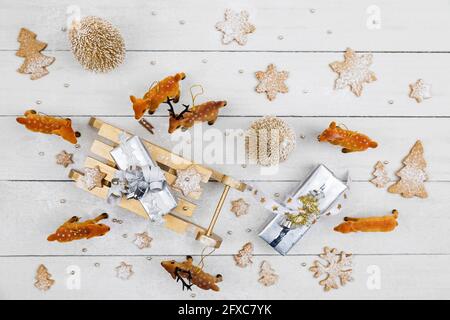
column 381, row 178
column 267, row 275
column 420, row 90
column 412, row 175
column 43, row 278
column 244, row 256
column 35, row 62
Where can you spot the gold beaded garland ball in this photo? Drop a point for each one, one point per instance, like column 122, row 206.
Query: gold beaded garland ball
column 269, row 141
column 96, row 44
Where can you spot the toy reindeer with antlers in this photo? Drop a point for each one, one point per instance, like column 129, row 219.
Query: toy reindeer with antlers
column 49, row 125
column 193, row 274
column 208, row 111
column 157, row 94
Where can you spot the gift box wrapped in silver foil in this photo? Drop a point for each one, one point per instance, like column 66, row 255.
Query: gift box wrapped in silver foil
column 315, row 196
column 140, row 178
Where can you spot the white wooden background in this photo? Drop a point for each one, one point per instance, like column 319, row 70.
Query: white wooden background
column 412, row 43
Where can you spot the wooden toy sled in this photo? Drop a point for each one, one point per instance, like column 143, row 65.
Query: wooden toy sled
column 177, row 220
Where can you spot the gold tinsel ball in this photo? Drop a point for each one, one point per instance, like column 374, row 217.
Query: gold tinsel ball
column 269, row 141
column 96, row 44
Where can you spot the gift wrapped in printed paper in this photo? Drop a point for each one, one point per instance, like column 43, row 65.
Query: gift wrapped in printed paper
column 140, row 178
column 316, row 196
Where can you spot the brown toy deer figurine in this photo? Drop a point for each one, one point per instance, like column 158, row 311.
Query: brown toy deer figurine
column 49, row 125
column 369, row 224
column 168, row 87
column 72, row 229
column 194, row 274
column 208, row 111
column 351, row 141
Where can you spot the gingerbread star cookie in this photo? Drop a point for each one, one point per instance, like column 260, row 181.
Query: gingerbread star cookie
column 271, row 81
column 64, row 158
column 353, row 71
column 235, row 27
column 239, row 207
column 188, row 180
column 420, row 90
column 143, row 240
column 124, row 271
column 93, row 177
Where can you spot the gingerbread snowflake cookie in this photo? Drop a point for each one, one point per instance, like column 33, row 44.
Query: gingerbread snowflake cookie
column 271, row 82
column 353, row 71
column 239, row 207
column 420, row 90
column 235, row 27
column 188, row 180
column 336, row 268
column 244, row 256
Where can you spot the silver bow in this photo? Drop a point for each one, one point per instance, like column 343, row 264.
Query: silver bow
column 140, row 180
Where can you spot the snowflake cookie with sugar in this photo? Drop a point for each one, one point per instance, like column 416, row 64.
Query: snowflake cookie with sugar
column 336, row 268
column 235, row 27
column 353, row 71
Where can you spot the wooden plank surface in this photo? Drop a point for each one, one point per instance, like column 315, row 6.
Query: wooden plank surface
column 394, row 135
column 310, row 84
column 405, row 25
column 180, row 36
column 44, row 214
column 400, row 278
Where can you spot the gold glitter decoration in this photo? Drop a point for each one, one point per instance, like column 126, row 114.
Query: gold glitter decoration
column 64, row 158
column 43, row 279
column 308, row 213
column 353, row 71
column 35, row 62
column 420, row 90
column 271, row 82
column 235, row 27
column 269, row 141
column 96, row 44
